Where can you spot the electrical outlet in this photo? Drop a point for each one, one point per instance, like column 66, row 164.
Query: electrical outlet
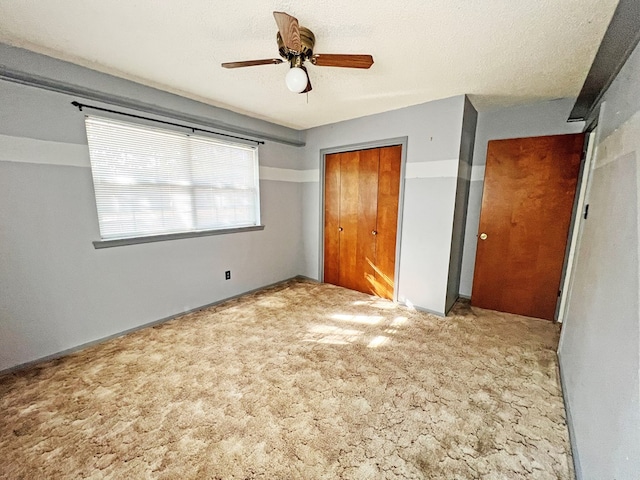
column 227, row 275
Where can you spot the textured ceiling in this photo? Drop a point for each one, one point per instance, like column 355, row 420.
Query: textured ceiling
column 501, row 52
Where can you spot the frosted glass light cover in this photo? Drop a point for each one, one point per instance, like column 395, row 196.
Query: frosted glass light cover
column 296, row 80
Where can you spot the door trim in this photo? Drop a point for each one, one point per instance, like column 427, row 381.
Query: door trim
column 402, row 141
column 592, row 136
column 575, row 228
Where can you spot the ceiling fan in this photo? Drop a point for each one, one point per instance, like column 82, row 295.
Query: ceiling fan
column 295, row 45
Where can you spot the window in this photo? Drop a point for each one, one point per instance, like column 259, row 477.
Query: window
column 150, row 181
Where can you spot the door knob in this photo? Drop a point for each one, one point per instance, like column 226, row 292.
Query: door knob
column 373, row 232
column 483, row 236
column 340, row 229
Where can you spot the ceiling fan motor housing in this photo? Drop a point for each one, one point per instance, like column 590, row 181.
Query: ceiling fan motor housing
column 307, row 41
column 295, row 45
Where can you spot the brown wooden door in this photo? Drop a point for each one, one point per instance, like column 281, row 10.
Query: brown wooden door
column 359, row 187
column 332, row 226
column 527, row 203
column 387, row 220
column 361, row 215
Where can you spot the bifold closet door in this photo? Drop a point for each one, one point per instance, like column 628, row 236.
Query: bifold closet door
column 351, row 189
column 358, row 209
column 361, row 213
column 332, row 219
column 387, row 220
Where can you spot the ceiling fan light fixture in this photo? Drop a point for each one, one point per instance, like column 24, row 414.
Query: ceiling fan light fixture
column 296, row 80
column 295, row 46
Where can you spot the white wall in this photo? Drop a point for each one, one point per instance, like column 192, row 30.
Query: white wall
column 57, row 292
column 543, row 118
column 433, row 156
column 600, row 345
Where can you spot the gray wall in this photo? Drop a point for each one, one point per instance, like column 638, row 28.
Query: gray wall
column 544, row 118
column 469, row 124
column 600, row 345
column 433, row 160
column 56, row 290
column 60, row 76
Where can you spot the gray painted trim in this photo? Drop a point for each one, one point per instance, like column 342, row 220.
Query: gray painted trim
column 302, row 277
column 77, row 348
column 620, row 39
column 58, row 86
column 352, row 147
column 425, row 310
column 120, row 242
column 448, row 309
column 588, row 152
column 572, row 435
column 470, row 117
column 403, row 142
column 597, row 133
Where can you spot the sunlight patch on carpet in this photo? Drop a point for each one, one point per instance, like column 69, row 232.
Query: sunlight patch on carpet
column 300, row 380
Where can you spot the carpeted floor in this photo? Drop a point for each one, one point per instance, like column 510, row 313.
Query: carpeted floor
column 299, row 381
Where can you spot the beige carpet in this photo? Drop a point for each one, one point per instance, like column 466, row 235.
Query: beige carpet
column 299, row 381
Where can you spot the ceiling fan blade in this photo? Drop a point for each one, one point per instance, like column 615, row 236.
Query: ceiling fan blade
column 251, row 63
column 308, row 87
column 289, row 30
column 338, row 60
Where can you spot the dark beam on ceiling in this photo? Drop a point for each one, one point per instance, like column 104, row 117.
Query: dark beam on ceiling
column 618, row 43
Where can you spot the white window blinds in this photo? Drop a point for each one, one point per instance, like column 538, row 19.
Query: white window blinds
column 150, row 181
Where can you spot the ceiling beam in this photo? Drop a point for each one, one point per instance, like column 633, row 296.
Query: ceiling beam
column 618, row 43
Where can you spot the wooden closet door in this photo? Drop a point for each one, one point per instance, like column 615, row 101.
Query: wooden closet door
column 387, row 220
column 358, row 214
column 361, row 194
column 332, row 219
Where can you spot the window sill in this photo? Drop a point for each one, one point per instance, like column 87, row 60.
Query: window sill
column 120, row 242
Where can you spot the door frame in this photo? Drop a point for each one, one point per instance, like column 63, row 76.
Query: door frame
column 592, row 139
column 575, row 227
column 389, row 142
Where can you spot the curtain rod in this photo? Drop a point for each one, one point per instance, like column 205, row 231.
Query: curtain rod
column 193, row 129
